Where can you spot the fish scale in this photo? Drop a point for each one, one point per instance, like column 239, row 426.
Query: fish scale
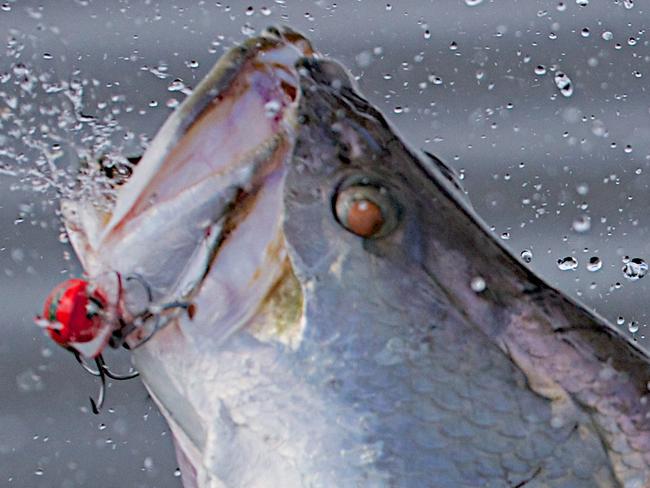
column 448, row 448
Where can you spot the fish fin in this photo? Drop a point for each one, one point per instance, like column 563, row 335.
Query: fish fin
column 450, row 174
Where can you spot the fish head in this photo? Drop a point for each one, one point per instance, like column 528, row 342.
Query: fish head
column 351, row 197
column 289, row 264
column 323, row 326
column 427, row 234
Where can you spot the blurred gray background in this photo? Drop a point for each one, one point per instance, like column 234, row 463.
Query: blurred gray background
column 471, row 81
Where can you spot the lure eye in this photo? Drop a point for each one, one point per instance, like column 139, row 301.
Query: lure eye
column 366, row 210
column 72, row 312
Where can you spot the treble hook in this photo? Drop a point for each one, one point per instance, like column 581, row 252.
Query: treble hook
column 102, row 372
column 83, row 364
column 160, row 322
column 118, row 338
column 96, row 407
column 138, row 277
column 102, row 366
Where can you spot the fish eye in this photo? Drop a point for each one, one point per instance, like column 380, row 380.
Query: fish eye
column 366, row 210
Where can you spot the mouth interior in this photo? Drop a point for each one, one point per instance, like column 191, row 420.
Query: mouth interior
column 221, row 186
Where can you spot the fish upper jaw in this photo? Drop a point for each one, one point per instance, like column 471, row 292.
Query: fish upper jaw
column 246, row 100
column 242, row 108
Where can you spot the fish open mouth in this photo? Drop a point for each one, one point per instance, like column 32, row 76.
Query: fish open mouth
column 199, row 220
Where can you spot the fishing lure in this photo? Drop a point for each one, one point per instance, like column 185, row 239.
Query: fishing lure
column 80, row 316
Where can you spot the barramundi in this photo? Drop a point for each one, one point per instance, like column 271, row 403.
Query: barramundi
column 311, row 302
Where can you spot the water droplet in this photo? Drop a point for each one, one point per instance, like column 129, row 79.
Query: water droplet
column 633, row 326
column 453, row 46
column 526, row 256
column 607, row 36
column 620, row 321
column 628, row 4
column 540, row 70
column 473, row 3
column 177, row 473
column 177, row 86
column 17, row 254
column 563, row 82
column 250, row 11
column 635, row 268
column 568, row 263
column 247, row 30
column 29, row 381
column 594, row 264
column 478, row 284
column 582, row 224
column 505, row 236
column 582, row 3
column 272, row 108
column 265, row 11
column 364, row 59
column 585, row 32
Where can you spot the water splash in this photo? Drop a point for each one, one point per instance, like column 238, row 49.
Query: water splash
column 57, row 137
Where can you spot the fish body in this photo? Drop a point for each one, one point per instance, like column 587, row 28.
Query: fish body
column 419, row 354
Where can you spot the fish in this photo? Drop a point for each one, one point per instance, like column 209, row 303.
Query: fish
column 315, row 303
